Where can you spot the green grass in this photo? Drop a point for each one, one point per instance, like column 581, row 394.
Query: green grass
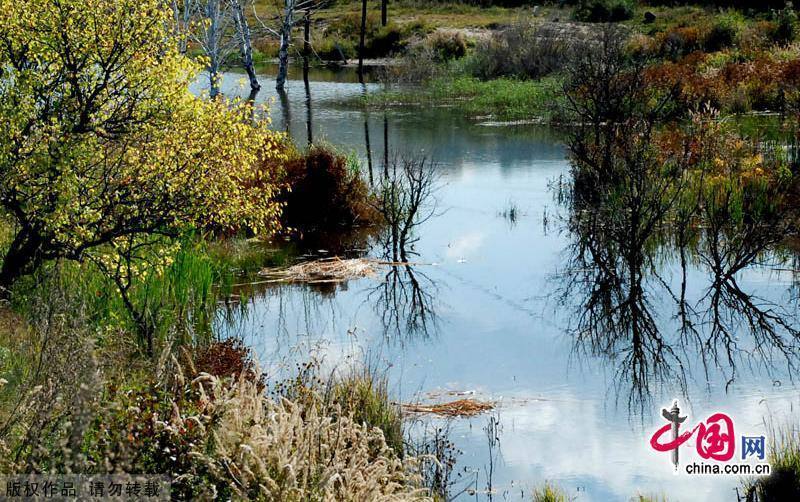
column 180, row 301
column 503, row 99
column 365, row 395
column 783, row 483
column 549, row 493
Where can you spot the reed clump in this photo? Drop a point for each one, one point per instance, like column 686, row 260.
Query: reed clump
column 324, row 270
column 256, row 447
column 783, row 483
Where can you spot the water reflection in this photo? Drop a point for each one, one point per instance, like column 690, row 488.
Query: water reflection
column 405, row 192
column 286, row 108
column 309, row 112
column 405, row 303
column 477, row 315
column 627, row 280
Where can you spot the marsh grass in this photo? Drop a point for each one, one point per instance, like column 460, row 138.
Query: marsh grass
column 430, row 441
column 783, row 483
column 18, row 351
column 180, row 301
column 360, row 391
column 511, row 212
column 259, row 448
column 549, row 493
column 500, row 99
column 649, row 498
column 364, row 395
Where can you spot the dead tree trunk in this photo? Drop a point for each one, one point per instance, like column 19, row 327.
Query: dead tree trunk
column 182, row 22
column 212, row 42
column 361, row 40
column 307, row 34
column 23, row 258
column 286, row 39
column 384, row 12
column 245, row 43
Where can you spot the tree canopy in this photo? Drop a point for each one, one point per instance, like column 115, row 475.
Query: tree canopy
column 102, row 144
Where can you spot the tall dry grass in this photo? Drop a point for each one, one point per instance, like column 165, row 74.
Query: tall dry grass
column 261, row 448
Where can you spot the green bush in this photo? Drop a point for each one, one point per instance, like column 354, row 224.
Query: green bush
column 786, row 27
column 723, row 34
column 604, row 11
column 327, row 191
column 386, row 41
column 379, row 41
column 328, row 49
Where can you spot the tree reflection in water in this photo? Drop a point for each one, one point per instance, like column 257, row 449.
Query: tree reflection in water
column 405, row 301
column 647, row 188
column 630, row 308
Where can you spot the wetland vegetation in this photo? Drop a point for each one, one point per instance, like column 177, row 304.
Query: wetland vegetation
column 200, row 282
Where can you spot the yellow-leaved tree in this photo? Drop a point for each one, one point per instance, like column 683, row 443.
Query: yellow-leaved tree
column 103, row 148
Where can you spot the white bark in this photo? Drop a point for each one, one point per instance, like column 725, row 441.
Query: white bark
column 182, row 22
column 245, row 43
column 287, row 23
column 206, row 23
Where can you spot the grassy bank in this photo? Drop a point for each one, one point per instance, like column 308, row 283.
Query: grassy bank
column 732, row 61
column 503, row 99
column 196, row 410
column 408, row 20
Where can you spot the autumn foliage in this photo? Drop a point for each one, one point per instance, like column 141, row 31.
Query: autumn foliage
column 103, row 148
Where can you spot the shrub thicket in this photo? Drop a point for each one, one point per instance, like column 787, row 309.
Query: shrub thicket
column 785, row 30
column 604, row 11
column 723, row 34
column 327, row 191
column 529, row 49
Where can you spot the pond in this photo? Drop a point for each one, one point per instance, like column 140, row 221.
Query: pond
column 500, row 303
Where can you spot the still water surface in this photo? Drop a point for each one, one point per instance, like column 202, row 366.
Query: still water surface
column 484, row 311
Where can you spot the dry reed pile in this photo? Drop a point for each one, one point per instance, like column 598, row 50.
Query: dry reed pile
column 325, row 270
column 460, row 408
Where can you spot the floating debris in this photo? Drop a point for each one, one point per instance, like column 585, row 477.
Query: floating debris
column 436, row 394
column 460, row 408
column 325, row 270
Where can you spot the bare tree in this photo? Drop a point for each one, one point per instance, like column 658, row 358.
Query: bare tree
column 182, row 22
column 213, row 23
column 244, row 41
column 294, row 12
column 208, row 24
column 287, row 23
